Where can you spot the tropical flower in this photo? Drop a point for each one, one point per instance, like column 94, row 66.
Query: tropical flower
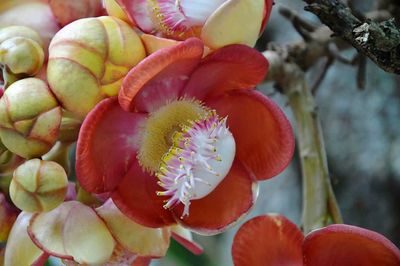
column 274, row 240
column 187, row 138
column 216, row 22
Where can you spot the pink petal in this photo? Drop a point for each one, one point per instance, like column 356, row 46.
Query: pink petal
column 136, row 198
column 263, row 135
column 184, row 237
column 107, row 145
column 230, row 200
column 340, row 244
column 160, row 77
column 229, row 68
column 138, row 12
column 268, row 240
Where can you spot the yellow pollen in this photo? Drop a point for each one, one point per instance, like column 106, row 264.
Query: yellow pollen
column 160, row 128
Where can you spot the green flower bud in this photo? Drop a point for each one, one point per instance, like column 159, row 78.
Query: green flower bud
column 38, row 186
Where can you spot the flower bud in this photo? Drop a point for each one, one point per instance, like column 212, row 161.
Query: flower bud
column 20, row 31
column 88, row 59
column 29, row 118
column 38, row 185
column 34, row 14
column 22, row 55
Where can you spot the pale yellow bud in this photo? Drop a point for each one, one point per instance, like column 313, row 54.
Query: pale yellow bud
column 88, row 60
column 38, row 185
column 29, row 118
column 22, row 55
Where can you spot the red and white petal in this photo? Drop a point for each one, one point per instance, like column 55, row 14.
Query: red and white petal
column 184, row 237
column 268, row 240
column 263, row 135
column 136, row 197
column 20, row 249
column 228, row 202
column 341, row 244
column 160, row 77
column 143, row 241
column 234, row 22
column 229, row 68
column 72, row 231
column 139, row 13
column 107, row 145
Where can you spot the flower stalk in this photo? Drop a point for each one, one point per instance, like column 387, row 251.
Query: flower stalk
column 319, row 203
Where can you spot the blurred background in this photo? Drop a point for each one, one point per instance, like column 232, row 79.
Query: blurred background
column 362, row 136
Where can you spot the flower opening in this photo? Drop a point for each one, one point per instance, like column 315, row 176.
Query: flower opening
column 199, row 159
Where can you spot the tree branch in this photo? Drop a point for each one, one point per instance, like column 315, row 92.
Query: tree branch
column 380, row 41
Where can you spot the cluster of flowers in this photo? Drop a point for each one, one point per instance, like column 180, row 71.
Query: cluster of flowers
column 171, row 137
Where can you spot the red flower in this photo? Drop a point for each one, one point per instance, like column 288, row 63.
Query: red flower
column 186, row 131
column 274, row 240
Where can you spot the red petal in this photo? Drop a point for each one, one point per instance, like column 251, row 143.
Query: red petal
column 231, row 199
column 267, row 13
column 349, row 245
column 136, row 198
column 107, row 145
column 160, row 77
column 268, row 240
column 229, row 68
column 263, row 135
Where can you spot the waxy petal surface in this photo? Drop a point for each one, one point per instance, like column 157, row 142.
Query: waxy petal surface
column 235, row 21
column 144, row 241
column 20, row 249
column 229, row 68
column 231, row 199
column 107, row 145
column 160, row 77
column 263, row 135
column 337, row 245
column 86, row 237
column 136, row 198
column 268, row 240
column 46, row 230
column 72, row 231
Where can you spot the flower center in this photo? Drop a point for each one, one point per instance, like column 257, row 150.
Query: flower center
column 157, row 134
column 199, row 159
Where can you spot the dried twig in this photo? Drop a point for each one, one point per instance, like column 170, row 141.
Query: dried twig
column 379, row 41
